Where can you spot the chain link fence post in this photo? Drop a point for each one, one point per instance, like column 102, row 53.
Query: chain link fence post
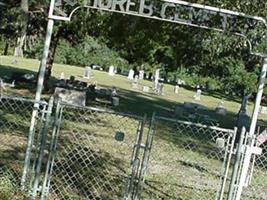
column 44, row 132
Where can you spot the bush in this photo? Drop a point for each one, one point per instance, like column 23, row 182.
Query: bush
column 90, row 51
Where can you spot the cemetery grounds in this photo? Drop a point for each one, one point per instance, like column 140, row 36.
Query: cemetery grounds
column 183, row 165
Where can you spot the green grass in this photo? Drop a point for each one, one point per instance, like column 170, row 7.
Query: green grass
column 91, row 163
column 132, row 100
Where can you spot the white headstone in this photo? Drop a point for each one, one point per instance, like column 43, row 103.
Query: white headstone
column 62, row 76
column 87, row 72
column 263, row 110
column 141, row 74
column 198, row 95
column 157, row 77
column 176, row 89
column 111, row 70
column 131, row 74
column 145, row 89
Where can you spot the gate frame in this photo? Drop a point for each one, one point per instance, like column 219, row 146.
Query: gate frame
column 49, row 32
column 129, row 193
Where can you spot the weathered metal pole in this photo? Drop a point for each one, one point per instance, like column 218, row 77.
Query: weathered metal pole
column 255, row 114
column 37, row 98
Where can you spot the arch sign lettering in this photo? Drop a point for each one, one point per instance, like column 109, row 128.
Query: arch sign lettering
column 251, row 28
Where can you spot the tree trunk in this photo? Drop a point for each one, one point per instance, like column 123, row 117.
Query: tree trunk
column 50, row 60
column 24, row 6
column 6, row 48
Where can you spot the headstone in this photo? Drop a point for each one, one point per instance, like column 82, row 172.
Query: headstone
column 135, row 83
column 111, row 70
column 220, row 109
column 145, row 89
column 197, row 96
column 70, row 96
column 87, row 72
column 161, row 89
column 115, row 101
column 136, row 78
column 141, row 74
column 176, row 89
column 263, row 110
column 62, row 76
column 157, row 78
column 114, row 92
column 131, row 74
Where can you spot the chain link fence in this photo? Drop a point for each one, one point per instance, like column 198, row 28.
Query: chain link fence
column 15, row 118
column 257, row 185
column 90, row 153
column 93, row 154
column 185, row 161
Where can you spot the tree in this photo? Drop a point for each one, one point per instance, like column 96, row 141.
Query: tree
column 24, row 7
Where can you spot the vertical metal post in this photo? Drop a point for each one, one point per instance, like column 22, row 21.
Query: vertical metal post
column 236, row 165
column 135, row 161
column 52, row 151
column 42, row 148
column 37, row 98
column 146, row 156
column 258, row 98
column 251, row 141
column 226, row 164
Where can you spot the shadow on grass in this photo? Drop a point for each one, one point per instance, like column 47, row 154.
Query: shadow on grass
column 83, row 173
column 10, row 73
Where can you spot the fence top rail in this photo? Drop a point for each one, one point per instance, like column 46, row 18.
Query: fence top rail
column 42, row 102
column 194, row 124
column 101, row 110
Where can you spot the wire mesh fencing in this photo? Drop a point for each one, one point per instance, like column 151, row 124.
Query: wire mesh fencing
column 186, row 160
column 257, row 184
column 91, row 154
column 15, row 118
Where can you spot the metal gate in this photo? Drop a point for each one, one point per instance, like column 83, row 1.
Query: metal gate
column 15, row 121
column 94, row 154
column 186, row 160
column 90, row 153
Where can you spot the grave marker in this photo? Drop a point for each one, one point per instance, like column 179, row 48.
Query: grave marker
column 176, row 89
column 111, row 71
column 141, row 74
column 87, row 72
column 70, row 96
column 62, row 76
column 263, row 110
column 220, row 109
column 157, row 78
column 145, row 89
column 197, row 96
column 131, row 74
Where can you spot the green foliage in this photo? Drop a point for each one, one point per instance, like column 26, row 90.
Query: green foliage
column 90, row 51
column 219, row 61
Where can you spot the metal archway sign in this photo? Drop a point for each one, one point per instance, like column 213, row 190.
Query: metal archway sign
column 251, row 28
